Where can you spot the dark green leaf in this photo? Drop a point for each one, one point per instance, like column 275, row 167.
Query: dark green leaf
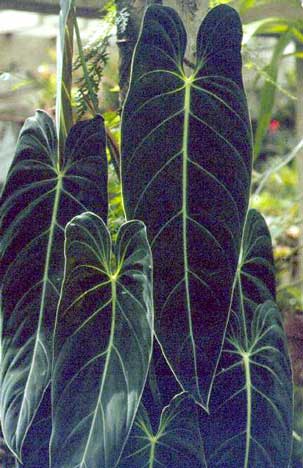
column 64, row 117
column 160, row 388
column 250, row 421
column 177, row 443
column 35, row 450
column 103, row 342
column 186, row 161
column 39, row 198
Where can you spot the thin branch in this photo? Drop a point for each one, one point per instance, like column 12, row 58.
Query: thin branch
column 279, row 166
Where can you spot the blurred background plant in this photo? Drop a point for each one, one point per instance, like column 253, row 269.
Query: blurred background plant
column 273, row 63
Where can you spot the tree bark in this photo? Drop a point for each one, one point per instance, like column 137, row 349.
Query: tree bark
column 192, row 12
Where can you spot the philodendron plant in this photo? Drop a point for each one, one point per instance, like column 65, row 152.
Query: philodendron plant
column 164, row 348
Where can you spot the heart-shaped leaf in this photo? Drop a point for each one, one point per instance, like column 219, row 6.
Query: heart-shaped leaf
column 177, row 442
column 103, row 342
column 39, row 198
column 186, row 163
column 250, row 421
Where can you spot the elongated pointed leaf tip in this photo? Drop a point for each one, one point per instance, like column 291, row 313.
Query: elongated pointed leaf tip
column 252, row 397
column 186, row 169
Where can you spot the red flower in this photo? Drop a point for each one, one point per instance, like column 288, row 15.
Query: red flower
column 274, row 126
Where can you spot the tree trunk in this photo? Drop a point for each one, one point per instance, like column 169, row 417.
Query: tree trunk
column 192, row 13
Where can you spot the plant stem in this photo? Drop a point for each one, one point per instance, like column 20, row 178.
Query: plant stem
column 114, row 152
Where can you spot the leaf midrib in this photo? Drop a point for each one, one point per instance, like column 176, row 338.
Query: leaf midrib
column 58, row 192
column 187, row 102
column 248, row 387
column 103, row 379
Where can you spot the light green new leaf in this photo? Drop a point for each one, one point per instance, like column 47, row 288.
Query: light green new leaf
column 186, row 164
column 39, row 198
column 262, row 26
column 250, row 421
column 177, row 442
column 103, row 342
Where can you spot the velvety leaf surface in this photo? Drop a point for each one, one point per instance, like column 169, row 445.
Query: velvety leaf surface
column 177, row 442
column 161, row 386
column 186, row 159
column 103, row 342
column 250, row 421
column 39, row 198
column 35, row 450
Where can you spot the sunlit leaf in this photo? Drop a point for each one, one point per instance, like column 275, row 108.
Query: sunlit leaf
column 186, row 161
column 261, row 26
column 103, row 342
column 39, row 198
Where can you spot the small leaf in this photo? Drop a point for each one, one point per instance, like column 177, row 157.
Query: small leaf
column 250, row 421
column 177, row 443
column 103, row 342
column 39, row 198
column 186, row 163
